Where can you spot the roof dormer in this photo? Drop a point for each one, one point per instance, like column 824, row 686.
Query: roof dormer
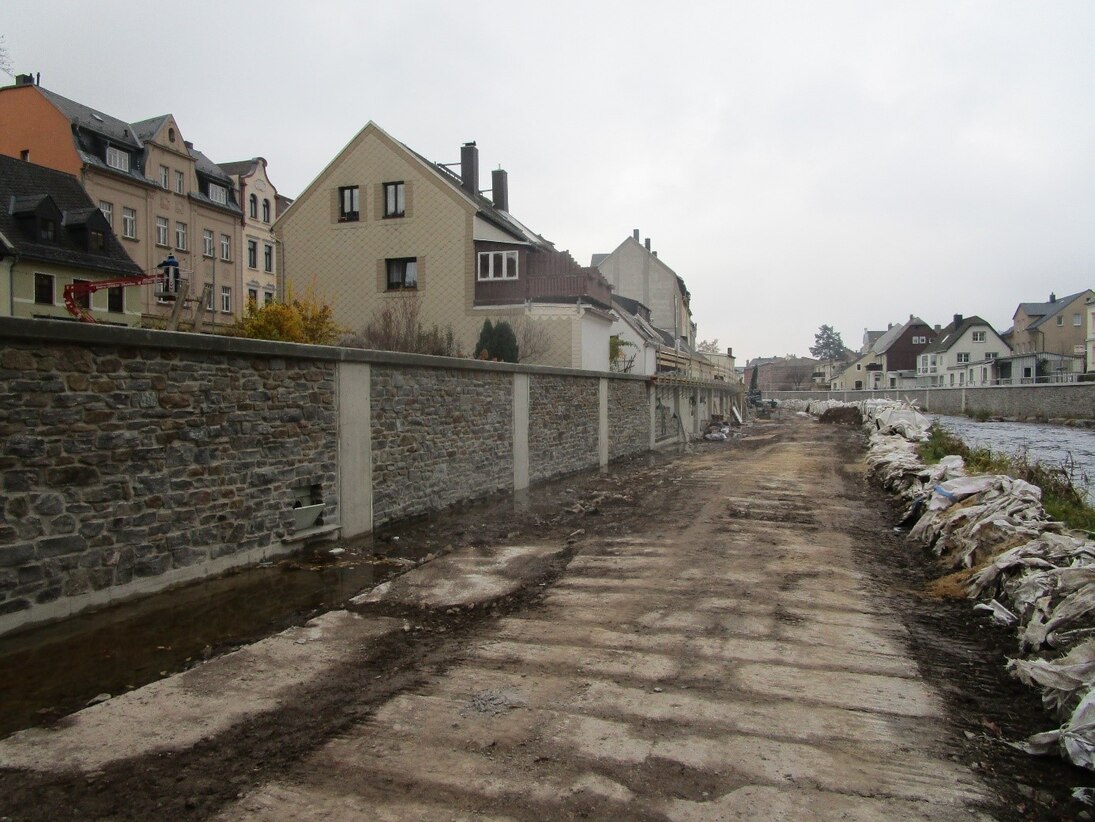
column 38, row 217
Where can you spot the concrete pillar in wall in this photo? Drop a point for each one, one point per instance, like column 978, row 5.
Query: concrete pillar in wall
column 520, row 432
column 602, row 426
column 963, row 400
column 355, row 453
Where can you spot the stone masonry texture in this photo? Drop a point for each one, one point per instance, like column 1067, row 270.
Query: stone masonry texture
column 563, row 424
column 439, row 437
column 124, row 462
column 628, row 418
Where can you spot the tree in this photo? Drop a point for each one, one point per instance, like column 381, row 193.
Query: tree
column 533, row 340
column 497, row 342
column 5, row 57
column 618, row 359
column 305, row 320
column 709, row 346
column 827, row 344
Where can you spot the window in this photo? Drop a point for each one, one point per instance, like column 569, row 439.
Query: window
column 43, row 289
column 226, row 298
column 161, row 231
column 180, row 236
column 226, row 248
column 394, row 200
column 268, row 297
column 24, row 155
column 253, row 295
column 253, row 206
column 96, row 240
column 180, row 182
column 348, row 202
column 129, row 223
column 82, row 299
column 115, row 300
column 164, row 173
column 497, row 265
column 209, row 299
column 218, row 194
column 402, row 273
column 978, row 336
column 265, row 210
column 267, row 257
column 919, row 340
column 252, row 254
column 991, row 355
column 1076, row 320
column 116, row 158
column 1060, row 320
column 47, row 230
column 962, row 357
column 108, row 212
column 207, row 242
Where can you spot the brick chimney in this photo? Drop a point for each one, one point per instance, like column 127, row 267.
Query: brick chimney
column 469, row 168
column 635, row 234
column 957, row 320
column 499, row 189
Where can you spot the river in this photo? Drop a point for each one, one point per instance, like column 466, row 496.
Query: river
column 1051, row 445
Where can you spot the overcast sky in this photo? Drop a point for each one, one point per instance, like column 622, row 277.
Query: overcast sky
column 797, row 163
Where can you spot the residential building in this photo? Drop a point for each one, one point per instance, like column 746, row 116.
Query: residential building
column 52, row 235
column 159, row 194
column 864, row 372
column 964, row 353
column 258, row 199
column 382, row 227
column 896, row 353
column 782, row 373
column 1057, row 326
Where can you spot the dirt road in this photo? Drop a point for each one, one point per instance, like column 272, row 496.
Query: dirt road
column 733, row 634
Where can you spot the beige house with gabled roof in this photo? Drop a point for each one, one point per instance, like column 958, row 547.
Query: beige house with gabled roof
column 381, row 224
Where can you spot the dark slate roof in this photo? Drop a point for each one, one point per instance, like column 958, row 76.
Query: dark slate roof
column 631, row 306
column 949, row 335
column 20, row 180
column 147, row 129
column 211, row 171
column 886, row 341
column 597, row 260
column 117, row 130
column 239, row 168
column 1049, row 310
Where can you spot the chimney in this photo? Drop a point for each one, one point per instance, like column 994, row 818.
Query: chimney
column 1052, row 297
column 499, row 189
column 937, row 328
column 469, row 168
column 655, row 253
column 647, row 243
column 24, row 79
column 911, row 318
column 635, row 234
column 957, row 320
column 889, row 326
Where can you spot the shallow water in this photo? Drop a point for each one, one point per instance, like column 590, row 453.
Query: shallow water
column 1051, row 445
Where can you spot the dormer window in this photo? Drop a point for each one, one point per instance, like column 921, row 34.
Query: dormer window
column 96, row 240
column 116, row 158
column 218, row 194
column 47, row 230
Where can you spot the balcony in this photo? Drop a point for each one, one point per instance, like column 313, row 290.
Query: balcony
column 548, row 277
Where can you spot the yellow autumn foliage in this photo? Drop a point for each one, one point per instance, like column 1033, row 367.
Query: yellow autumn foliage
column 299, row 320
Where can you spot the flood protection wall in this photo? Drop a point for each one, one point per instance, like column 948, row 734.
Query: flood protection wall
column 1036, row 401
column 131, row 460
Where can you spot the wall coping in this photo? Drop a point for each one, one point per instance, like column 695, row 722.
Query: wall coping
column 63, row 331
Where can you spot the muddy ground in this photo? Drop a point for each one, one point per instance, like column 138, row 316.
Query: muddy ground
column 957, row 653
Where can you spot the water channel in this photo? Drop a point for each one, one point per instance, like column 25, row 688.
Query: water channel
column 1052, row 445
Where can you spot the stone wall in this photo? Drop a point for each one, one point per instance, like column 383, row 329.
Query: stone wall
column 438, row 437
column 1049, row 401
column 628, row 418
column 563, row 425
column 120, row 463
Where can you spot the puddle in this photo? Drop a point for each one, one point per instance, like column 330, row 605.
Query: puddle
column 52, row 670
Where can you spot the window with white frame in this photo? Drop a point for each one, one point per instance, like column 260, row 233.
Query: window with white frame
column 207, row 242
column 161, row 231
column 226, row 298
column 218, row 194
column 116, row 158
column 1077, row 319
column 962, row 357
column 497, row 265
column 108, row 211
column 226, row 248
column 129, row 223
column 267, row 258
column 252, row 254
column 209, row 299
column 978, row 336
column 164, row 173
column 180, row 236
column 268, row 297
column 180, row 182
column 1060, row 320
column 991, row 355
column 265, row 210
column 253, row 207
column 349, row 202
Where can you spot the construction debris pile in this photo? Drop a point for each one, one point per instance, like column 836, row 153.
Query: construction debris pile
column 1026, row 570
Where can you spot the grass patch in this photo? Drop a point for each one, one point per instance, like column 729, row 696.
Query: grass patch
column 1061, row 497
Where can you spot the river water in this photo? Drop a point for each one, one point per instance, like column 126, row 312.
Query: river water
column 1051, row 445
